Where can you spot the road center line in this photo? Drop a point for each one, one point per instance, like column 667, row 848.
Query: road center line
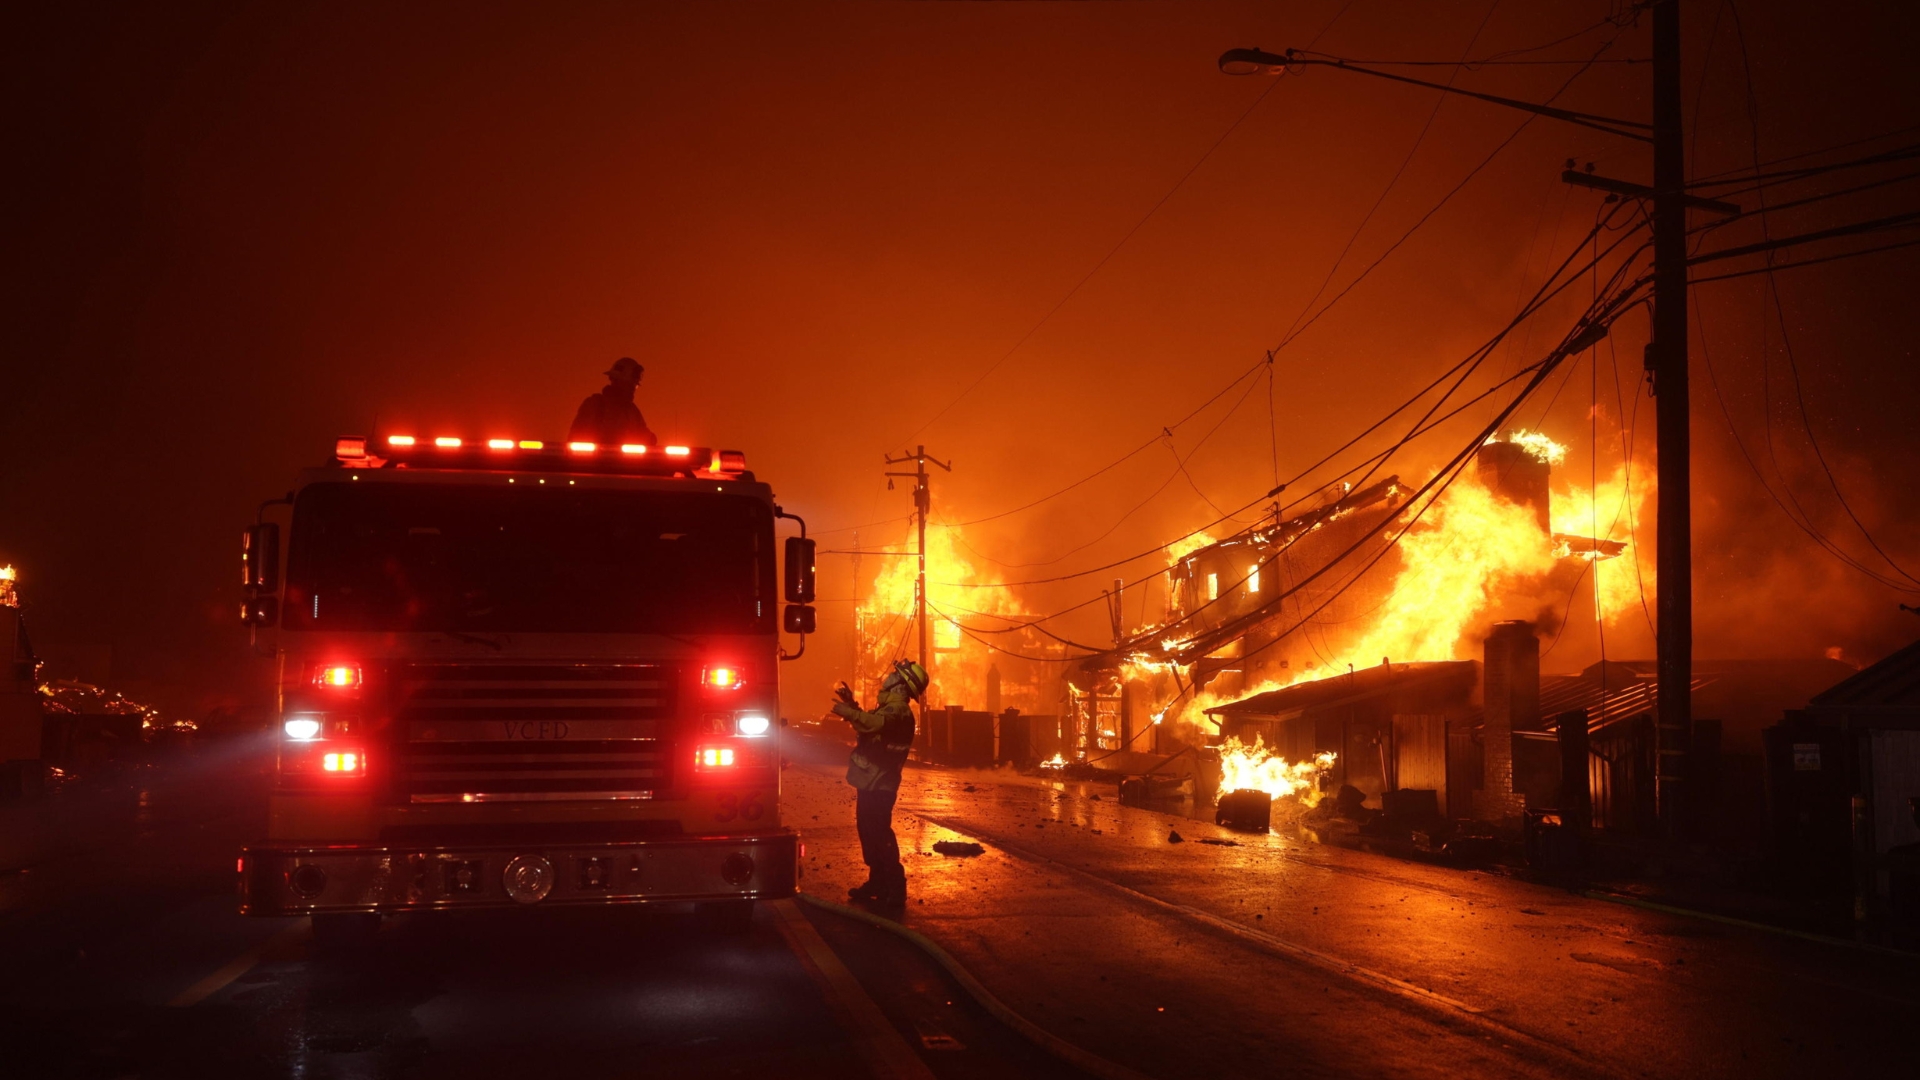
column 238, row 966
column 884, row 1049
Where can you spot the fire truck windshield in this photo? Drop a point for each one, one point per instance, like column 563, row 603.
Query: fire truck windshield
column 484, row 558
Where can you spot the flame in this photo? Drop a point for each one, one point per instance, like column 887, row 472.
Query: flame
column 960, row 661
column 1537, row 444
column 1612, row 510
column 1054, row 762
column 1187, row 545
column 1467, row 550
column 1256, row 768
column 1470, row 552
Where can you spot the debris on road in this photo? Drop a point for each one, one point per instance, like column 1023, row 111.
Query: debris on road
column 1248, row 810
column 959, row 849
column 1174, row 837
column 1219, row 843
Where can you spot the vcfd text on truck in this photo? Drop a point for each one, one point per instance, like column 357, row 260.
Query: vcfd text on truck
column 516, row 672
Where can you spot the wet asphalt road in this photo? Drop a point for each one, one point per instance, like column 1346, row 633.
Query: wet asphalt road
column 122, row 956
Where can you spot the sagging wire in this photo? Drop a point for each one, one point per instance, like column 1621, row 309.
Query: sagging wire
column 1544, row 294
column 1282, row 551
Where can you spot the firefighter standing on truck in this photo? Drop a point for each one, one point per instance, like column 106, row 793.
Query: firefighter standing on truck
column 873, row 769
column 610, row 418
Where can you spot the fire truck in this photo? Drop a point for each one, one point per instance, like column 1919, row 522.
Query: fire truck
column 512, row 672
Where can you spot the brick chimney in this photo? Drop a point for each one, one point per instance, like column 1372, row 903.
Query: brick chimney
column 1510, row 471
column 1511, row 675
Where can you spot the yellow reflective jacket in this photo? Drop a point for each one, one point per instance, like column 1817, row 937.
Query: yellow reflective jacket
column 886, row 734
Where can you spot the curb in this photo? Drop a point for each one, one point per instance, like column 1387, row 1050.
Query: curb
column 1086, row 1061
column 1746, row 924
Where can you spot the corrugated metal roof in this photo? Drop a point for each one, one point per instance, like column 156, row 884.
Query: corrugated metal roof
column 1344, row 689
column 1891, row 684
column 1616, row 702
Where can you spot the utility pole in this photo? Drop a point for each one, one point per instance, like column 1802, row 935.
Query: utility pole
column 1666, row 359
column 1673, row 551
column 1666, row 362
column 922, row 502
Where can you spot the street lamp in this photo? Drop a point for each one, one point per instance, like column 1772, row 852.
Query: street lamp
column 1666, row 359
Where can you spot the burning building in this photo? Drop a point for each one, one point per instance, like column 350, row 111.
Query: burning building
column 1352, row 629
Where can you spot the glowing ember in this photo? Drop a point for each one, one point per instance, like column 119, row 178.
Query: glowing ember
column 1255, row 768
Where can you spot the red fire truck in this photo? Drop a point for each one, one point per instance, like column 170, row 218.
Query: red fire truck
column 514, row 672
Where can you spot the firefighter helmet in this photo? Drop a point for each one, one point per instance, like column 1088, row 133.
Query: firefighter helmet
column 911, row 676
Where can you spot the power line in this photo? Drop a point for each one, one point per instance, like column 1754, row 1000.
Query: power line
column 1798, row 263
column 1104, row 259
column 1546, row 292
column 1734, row 176
column 1581, row 332
column 1746, row 455
column 1448, row 197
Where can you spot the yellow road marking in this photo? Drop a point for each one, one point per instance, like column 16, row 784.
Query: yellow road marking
column 884, row 1050
column 236, row 967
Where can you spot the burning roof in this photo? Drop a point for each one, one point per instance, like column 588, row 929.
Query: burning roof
column 1338, row 690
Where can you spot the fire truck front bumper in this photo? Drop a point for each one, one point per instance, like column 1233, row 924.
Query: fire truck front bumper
column 306, row 879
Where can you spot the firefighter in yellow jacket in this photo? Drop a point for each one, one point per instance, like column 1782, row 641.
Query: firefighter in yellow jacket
column 885, row 736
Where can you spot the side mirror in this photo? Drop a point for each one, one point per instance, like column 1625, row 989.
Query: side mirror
column 260, row 611
column 799, row 577
column 799, row 619
column 260, row 558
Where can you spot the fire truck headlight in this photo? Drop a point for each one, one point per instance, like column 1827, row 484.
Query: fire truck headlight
column 753, row 725
column 301, row 728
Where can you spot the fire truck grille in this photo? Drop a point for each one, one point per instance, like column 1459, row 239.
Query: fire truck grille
column 531, row 732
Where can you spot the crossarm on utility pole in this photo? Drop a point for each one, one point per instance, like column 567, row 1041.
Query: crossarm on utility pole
column 1641, row 191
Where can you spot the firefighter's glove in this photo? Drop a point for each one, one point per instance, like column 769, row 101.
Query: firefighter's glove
column 843, row 692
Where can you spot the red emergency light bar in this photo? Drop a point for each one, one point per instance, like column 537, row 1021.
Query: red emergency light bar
column 536, row 455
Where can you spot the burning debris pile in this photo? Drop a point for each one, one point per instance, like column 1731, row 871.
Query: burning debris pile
column 71, row 697
column 1256, row 768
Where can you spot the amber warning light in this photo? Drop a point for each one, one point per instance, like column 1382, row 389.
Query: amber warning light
column 721, row 678
column 497, row 452
column 338, row 677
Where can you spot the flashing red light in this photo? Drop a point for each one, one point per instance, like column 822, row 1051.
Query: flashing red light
column 582, row 447
column 343, row 762
column 399, row 440
column 447, row 441
column 678, row 451
column 721, row 678
column 713, row 757
column 499, row 444
column 338, row 677
column 349, row 448
column 632, row 448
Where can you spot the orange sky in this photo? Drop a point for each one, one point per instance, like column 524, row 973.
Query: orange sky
column 242, row 233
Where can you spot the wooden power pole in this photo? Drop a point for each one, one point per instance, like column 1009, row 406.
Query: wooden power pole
column 1673, row 552
column 922, row 502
